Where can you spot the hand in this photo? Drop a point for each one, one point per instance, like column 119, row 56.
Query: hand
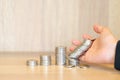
column 102, row 49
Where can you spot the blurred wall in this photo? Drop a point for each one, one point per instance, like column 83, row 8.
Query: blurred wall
column 114, row 17
column 41, row 25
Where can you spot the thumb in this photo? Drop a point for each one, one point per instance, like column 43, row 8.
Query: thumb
column 102, row 30
column 98, row 29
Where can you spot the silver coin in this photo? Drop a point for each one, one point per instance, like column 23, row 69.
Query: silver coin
column 32, row 62
column 80, row 49
column 60, row 55
column 45, row 60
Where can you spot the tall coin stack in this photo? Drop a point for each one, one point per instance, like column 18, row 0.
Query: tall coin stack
column 60, row 55
column 45, row 60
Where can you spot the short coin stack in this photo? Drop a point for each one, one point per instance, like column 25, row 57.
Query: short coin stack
column 32, row 62
column 45, row 60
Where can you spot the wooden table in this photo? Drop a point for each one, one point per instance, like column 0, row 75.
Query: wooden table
column 13, row 67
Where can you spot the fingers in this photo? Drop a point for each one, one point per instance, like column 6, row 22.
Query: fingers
column 75, row 43
column 87, row 36
column 72, row 48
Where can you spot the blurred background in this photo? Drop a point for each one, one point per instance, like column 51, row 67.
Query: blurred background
column 41, row 25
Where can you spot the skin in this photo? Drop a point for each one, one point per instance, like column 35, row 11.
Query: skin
column 102, row 49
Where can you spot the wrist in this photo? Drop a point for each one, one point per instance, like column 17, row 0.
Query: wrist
column 117, row 56
column 115, row 46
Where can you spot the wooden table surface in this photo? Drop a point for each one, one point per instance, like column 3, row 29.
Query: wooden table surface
column 13, row 67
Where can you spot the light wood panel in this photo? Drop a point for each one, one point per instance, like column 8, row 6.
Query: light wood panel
column 114, row 17
column 40, row 25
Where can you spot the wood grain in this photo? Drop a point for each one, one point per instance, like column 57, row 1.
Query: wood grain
column 40, row 25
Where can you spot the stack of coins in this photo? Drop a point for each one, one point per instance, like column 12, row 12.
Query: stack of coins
column 74, row 62
column 32, row 62
column 60, row 55
column 80, row 50
column 45, row 60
